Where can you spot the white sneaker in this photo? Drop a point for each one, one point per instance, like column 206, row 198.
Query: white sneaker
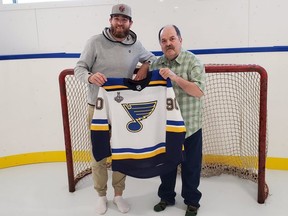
column 121, row 204
column 101, row 205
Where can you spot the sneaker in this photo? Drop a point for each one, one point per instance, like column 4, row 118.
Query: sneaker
column 161, row 206
column 191, row 211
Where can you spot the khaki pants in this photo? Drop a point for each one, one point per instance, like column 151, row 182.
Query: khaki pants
column 100, row 172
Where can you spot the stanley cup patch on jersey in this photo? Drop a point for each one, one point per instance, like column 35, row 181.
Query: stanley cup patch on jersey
column 139, row 124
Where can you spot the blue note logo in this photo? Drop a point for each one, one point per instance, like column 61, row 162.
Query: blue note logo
column 138, row 112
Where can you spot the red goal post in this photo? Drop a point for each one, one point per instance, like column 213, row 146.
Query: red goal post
column 234, row 124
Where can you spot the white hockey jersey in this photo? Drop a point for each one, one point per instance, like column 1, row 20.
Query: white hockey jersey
column 139, row 124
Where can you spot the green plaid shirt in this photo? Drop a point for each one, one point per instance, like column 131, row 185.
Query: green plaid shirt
column 187, row 66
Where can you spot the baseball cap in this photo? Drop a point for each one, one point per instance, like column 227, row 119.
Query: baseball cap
column 121, row 9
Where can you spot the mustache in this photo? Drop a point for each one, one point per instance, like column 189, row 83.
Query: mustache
column 170, row 47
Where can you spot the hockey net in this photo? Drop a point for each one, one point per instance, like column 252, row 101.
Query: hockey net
column 234, row 124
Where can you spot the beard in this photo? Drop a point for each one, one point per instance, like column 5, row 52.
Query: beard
column 119, row 34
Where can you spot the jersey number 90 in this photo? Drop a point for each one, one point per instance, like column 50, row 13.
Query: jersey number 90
column 171, row 104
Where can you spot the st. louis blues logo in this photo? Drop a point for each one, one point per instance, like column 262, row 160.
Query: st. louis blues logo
column 138, row 112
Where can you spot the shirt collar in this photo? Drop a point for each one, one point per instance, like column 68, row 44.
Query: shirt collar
column 178, row 60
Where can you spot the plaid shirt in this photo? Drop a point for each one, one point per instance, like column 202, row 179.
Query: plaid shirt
column 187, row 66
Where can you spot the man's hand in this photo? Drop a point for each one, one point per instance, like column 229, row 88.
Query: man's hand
column 167, row 73
column 142, row 72
column 97, row 78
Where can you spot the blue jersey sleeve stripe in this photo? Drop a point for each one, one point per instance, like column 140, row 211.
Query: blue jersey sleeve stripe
column 99, row 121
column 175, row 123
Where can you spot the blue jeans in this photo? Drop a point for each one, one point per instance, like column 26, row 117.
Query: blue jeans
column 190, row 174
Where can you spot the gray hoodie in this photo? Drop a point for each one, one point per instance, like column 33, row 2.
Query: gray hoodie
column 102, row 53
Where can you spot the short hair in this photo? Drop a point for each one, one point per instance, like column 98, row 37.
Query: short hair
column 176, row 29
